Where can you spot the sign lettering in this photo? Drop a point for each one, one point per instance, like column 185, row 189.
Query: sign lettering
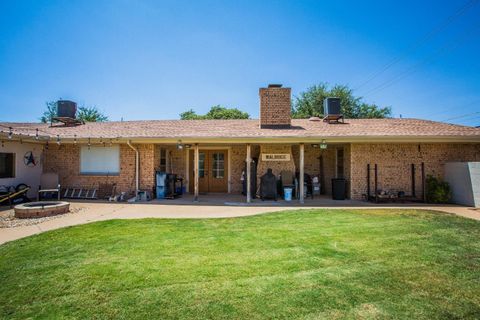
column 275, row 157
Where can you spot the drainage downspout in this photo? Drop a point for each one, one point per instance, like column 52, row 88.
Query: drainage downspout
column 129, row 143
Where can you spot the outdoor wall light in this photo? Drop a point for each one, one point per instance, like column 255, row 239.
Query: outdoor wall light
column 315, row 145
column 179, row 145
column 323, row 145
column 188, row 146
column 10, row 133
column 3, row 144
column 74, row 138
column 58, row 139
column 36, row 134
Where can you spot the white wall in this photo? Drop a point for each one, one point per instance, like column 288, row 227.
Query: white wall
column 24, row 174
column 464, row 180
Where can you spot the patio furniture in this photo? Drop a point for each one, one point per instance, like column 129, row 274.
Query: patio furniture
column 15, row 195
column 49, row 185
column 80, row 193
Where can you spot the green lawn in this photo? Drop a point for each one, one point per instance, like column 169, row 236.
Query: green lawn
column 306, row 264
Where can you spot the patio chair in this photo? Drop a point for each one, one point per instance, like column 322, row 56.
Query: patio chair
column 49, row 184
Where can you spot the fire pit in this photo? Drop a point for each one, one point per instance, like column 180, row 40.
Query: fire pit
column 41, row 209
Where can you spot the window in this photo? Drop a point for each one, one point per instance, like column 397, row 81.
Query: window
column 218, row 165
column 201, row 164
column 163, row 160
column 100, row 160
column 340, row 170
column 7, row 165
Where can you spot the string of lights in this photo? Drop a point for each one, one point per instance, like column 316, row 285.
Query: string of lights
column 23, row 134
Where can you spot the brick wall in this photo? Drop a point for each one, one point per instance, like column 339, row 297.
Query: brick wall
column 275, row 107
column 65, row 160
column 237, row 164
column 175, row 159
column 394, row 164
column 276, row 166
column 312, row 162
column 393, row 160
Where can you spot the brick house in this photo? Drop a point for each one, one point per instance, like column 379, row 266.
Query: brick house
column 128, row 153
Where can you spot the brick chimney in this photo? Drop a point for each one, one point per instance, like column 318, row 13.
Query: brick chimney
column 275, row 107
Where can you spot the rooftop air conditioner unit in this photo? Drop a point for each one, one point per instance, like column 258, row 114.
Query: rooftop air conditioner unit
column 332, row 110
column 66, row 109
column 332, row 106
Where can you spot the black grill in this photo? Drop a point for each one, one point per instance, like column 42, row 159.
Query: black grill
column 268, row 186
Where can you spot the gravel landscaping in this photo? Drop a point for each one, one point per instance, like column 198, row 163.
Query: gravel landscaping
column 8, row 220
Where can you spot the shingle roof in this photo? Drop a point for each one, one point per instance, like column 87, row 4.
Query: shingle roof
column 177, row 129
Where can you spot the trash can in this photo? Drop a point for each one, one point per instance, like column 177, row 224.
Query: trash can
column 287, row 192
column 339, row 187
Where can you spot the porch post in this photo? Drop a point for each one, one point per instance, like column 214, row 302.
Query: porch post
column 195, row 172
column 249, row 178
column 302, row 164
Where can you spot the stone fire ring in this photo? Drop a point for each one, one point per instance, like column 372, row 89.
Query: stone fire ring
column 41, row 209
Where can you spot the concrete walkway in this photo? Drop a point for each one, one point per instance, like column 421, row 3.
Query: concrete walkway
column 86, row 212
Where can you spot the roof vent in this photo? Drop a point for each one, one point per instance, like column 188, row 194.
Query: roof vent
column 314, row 119
column 274, row 85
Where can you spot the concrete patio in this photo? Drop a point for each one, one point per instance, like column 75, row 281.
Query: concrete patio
column 209, row 206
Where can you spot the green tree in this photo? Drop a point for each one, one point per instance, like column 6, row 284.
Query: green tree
column 87, row 114
column 50, row 113
column 216, row 112
column 189, row 115
column 310, row 103
column 90, row 114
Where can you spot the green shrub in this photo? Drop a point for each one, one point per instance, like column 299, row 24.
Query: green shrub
column 437, row 191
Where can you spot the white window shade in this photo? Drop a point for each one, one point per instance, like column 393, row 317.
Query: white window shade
column 100, row 160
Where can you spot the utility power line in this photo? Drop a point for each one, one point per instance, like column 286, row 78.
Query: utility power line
column 471, row 119
column 414, row 68
column 462, row 116
column 467, row 6
column 450, row 109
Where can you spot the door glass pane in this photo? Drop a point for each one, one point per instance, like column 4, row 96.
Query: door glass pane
column 163, row 160
column 218, row 165
column 201, row 164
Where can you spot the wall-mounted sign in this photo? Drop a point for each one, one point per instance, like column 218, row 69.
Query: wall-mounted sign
column 275, row 156
column 29, row 159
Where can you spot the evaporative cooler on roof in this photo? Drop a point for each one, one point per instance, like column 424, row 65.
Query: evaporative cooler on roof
column 66, row 113
column 333, row 110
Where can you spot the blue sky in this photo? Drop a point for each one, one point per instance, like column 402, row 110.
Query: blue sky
column 154, row 59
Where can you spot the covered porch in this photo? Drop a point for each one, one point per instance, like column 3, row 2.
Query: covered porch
column 239, row 200
column 212, row 170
